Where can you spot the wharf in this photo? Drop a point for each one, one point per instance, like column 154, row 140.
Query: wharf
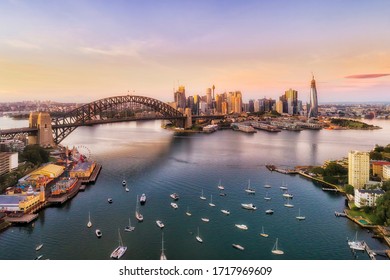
column 330, row 190
column 21, row 219
column 60, row 199
column 94, row 175
column 335, row 187
column 271, row 167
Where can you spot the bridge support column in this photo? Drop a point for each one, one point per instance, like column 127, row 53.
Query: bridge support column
column 188, row 122
column 42, row 121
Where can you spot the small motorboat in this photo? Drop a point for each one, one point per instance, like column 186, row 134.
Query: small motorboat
column 98, row 233
column 238, row 246
column 160, row 224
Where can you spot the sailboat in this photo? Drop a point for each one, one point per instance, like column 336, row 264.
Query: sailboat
column 120, row 250
column 267, row 185
column 89, row 224
column 198, row 238
column 288, row 204
column 220, row 185
column 129, row 227
column 123, row 182
column 188, row 213
column 356, row 244
column 250, row 190
column 211, row 201
column 138, row 215
column 266, row 197
column 284, row 186
column 162, row 256
column 299, row 217
column 275, row 249
column 202, row 197
column 127, row 189
column 263, row 234
column 39, row 247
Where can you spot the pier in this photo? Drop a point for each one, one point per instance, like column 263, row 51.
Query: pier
column 330, row 190
column 21, row 218
column 94, row 175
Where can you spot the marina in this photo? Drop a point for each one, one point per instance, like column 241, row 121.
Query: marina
column 150, row 173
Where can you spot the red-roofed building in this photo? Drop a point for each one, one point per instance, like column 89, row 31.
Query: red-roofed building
column 377, row 167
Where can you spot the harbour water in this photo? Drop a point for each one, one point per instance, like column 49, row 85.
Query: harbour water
column 156, row 162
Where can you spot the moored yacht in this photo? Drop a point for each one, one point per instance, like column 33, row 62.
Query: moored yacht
column 174, row 196
column 242, row 226
column 226, row 212
column 248, row 206
column 238, row 246
column 174, row 205
column 98, row 233
column 142, row 199
column 120, row 250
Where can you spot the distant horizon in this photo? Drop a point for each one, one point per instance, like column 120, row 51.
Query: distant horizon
column 88, row 50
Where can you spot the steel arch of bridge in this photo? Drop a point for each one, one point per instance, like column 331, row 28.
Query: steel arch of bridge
column 91, row 113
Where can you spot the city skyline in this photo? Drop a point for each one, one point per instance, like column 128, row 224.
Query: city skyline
column 87, row 50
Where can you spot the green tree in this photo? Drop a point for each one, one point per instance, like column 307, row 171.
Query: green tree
column 382, row 210
column 35, row 154
column 374, row 155
column 335, row 169
column 349, row 189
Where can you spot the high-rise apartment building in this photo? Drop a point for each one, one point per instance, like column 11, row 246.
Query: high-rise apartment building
column 313, row 106
column 358, row 169
column 180, row 97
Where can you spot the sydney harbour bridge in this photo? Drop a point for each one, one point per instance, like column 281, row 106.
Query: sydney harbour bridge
column 45, row 130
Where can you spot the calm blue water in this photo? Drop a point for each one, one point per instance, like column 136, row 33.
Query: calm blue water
column 158, row 163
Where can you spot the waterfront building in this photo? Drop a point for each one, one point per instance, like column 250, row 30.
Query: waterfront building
column 42, row 175
column 257, row 105
column 8, row 162
column 279, row 106
column 378, row 167
column 209, row 99
column 313, row 106
column 63, row 186
column 82, row 170
column 291, row 97
column 180, row 97
column 386, row 172
column 251, row 106
column 218, row 103
column 358, row 168
column 22, row 202
column 367, row 197
column 224, row 108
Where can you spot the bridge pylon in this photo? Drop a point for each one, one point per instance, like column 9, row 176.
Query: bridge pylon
column 44, row 136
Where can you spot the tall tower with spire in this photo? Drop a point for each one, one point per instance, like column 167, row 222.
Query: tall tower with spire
column 313, row 106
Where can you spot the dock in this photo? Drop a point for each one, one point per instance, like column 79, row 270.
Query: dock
column 94, row 175
column 330, row 190
column 372, row 253
column 340, row 214
column 60, row 199
column 21, row 219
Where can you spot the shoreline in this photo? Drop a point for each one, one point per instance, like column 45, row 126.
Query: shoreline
column 376, row 228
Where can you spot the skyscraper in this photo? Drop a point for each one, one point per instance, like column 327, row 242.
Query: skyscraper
column 313, row 107
column 358, row 168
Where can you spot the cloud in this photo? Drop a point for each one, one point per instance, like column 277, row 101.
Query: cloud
column 22, row 45
column 366, row 76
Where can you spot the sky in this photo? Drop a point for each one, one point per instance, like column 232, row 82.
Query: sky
column 85, row 50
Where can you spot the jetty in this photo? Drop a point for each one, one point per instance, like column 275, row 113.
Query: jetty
column 21, row 218
column 94, row 175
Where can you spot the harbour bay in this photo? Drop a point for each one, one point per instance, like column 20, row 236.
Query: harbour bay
column 156, row 162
